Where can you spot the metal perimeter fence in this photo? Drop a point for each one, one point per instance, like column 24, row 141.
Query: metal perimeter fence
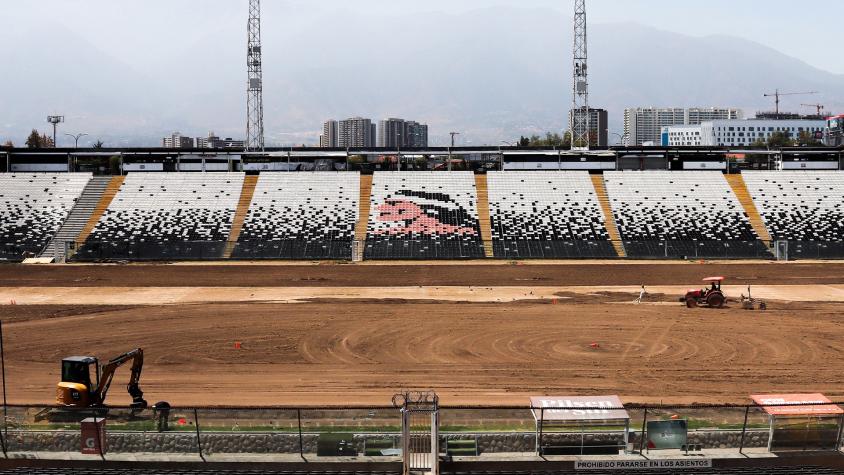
column 290, row 433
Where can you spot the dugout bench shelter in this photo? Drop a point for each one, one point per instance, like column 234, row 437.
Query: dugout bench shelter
column 562, row 424
column 813, row 423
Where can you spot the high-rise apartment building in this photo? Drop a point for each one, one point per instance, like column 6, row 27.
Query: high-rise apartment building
column 177, row 140
column 598, row 126
column 356, row 132
column 329, row 137
column 643, row 126
column 394, row 133
column 417, row 134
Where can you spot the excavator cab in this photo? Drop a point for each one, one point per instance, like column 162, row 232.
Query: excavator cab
column 77, row 386
column 85, row 384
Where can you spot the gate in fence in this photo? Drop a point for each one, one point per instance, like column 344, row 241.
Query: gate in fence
column 420, row 422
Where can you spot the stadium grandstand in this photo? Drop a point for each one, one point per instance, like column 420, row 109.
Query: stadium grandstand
column 341, row 215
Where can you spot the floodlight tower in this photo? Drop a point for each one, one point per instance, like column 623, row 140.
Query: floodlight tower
column 579, row 116
column 55, row 120
column 254, row 90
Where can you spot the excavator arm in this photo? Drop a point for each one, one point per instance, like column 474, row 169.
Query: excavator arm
column 107, row 375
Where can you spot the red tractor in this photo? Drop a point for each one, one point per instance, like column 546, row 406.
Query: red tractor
column 711, row 296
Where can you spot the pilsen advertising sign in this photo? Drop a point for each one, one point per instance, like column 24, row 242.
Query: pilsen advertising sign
column 805, row 404
column 577, row 408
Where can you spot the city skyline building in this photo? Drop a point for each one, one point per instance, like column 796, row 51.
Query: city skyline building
column 329, row 137
column 356, row 132
column 417, row 134
column 394, row 132
column 213, row 141
column 177, row 140
column 598, row 125
column 644, row 125
column 739, row 132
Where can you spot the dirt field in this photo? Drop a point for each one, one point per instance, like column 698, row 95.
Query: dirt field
column 360, row 351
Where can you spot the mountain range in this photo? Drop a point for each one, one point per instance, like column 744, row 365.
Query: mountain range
column 492, row 74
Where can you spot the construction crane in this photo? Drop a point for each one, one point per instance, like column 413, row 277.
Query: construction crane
column 776, row 95
column 819, row 107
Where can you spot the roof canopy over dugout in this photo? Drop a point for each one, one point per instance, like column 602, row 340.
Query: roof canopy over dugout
column 800, row 422
column 804, row 404
column 567, row 414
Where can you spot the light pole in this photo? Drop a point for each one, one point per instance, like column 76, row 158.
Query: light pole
column 620, row 138
column 55, row 120
column 453, row 134
column 398, row 148
column 76, row 139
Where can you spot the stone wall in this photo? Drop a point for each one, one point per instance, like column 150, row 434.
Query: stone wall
column 265, row 443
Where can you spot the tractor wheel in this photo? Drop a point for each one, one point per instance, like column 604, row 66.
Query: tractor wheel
column 691, row 302
column 715, row 300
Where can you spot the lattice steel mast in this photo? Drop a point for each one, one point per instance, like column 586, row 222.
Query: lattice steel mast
column 579, row 117
column 254, row 91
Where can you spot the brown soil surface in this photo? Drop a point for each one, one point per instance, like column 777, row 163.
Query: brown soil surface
column 348, row 352
column 610, row 273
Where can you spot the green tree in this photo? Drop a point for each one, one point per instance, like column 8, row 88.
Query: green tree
column 551, row 139
column 779, row 140
column 808, row 139
column 34, row 140
column 759, row 144
column 98, row 144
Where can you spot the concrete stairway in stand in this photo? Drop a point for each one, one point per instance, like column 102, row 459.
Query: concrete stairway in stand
column 363, row 205
column 484, row 220
column 739, row 187
column 361, row 226
column 76, row 219
column 609, row 219
column 246, row 194
column 111, row 189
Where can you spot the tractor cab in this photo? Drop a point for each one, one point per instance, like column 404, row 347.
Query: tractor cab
column 710, row 295
column 80, row 378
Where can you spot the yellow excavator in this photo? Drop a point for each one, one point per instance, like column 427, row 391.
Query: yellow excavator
column 78, row 389
column 85, row 384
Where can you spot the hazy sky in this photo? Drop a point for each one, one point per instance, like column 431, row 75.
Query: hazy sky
column 140, row 30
